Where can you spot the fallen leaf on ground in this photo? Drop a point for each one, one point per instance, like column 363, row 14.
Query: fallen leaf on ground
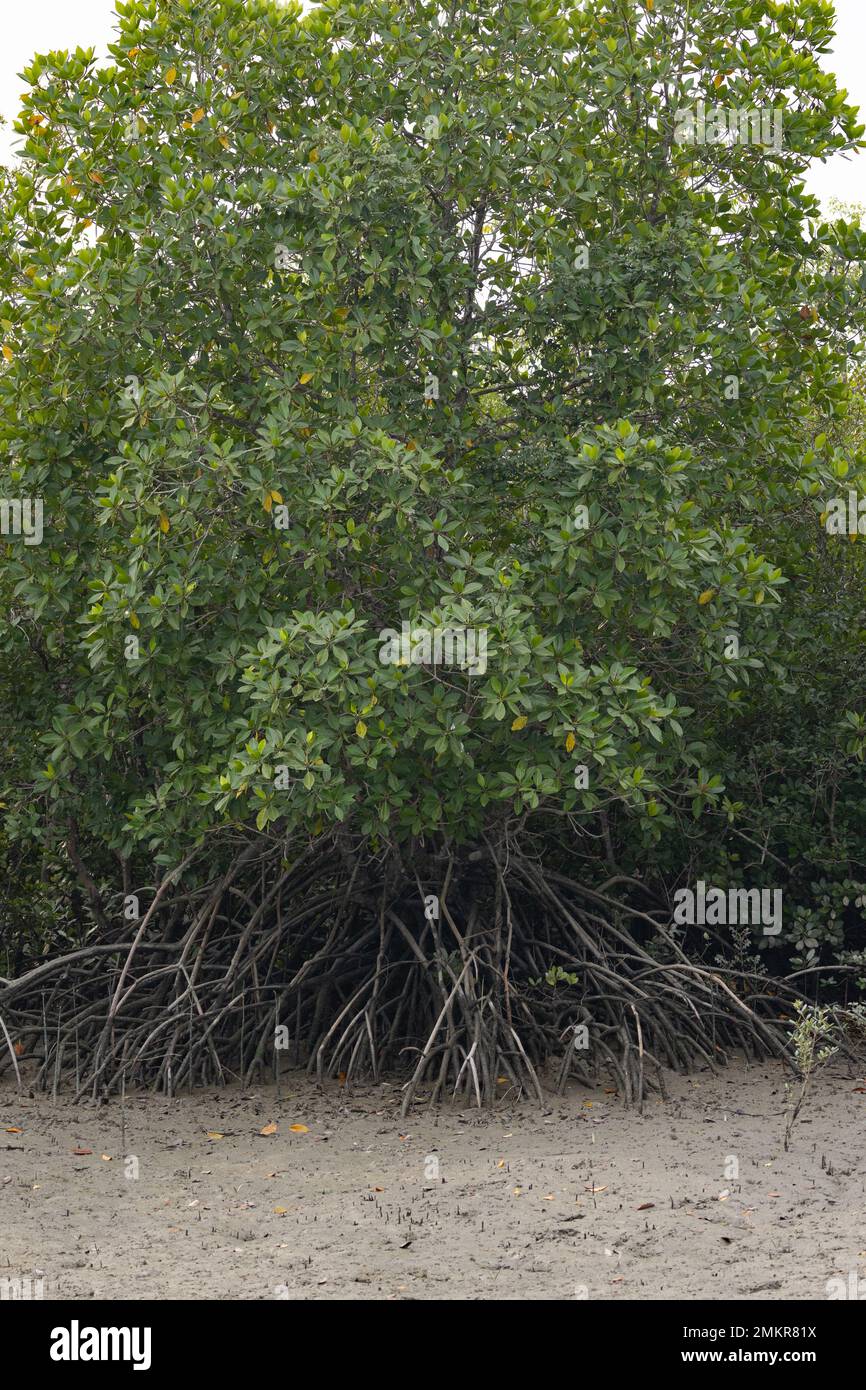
column 645, row 1206
column 270, row 1129
column 299, row 1129
column 80, row 1153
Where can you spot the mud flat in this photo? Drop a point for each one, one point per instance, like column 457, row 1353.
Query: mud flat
column 188, row 1199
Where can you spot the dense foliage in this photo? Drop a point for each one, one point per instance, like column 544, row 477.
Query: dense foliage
column 320, row 324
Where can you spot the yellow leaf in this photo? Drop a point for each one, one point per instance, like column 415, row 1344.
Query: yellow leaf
column 569, row 743
column 197, row 115
column 164, row 522
column 214, row 1134
column 7, row 352
column 520, row 723
column 276, row 496
column 299, row 1129
column 305, row 377
column 314, row 156
column 133, row 620
column 170, row 75
column 35, row 120
column 501, row 1163
column 269, row 1129
column 87, row 222
column 706, row 595
column 94, row 177
column 361, row 729
column 280, row 1211
column 133, row 52
column 224, row 141
column 268, row 502
column 718, row 79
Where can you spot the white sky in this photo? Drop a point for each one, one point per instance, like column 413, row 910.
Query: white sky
column 35, row 26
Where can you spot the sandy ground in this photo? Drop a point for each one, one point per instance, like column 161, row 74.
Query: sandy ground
column 694, row 1199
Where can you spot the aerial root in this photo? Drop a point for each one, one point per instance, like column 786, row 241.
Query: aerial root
column 476, row 981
